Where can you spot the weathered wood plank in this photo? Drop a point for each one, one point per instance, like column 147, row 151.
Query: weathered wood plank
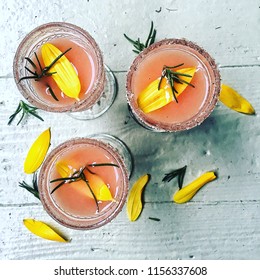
column 222, row 221
column 190, row 231
column 226, row 142
column 221, row 28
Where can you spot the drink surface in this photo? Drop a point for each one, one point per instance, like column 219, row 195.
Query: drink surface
column 72, row 198
column 83, row 61
column 190, row 101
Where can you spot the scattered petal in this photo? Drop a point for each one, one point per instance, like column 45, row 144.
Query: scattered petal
column 186, row 193
column 43, row 230
column 233, row 100
column 37, row 152
column 134, row 202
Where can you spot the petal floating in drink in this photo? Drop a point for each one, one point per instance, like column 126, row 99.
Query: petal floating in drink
column 235, row 101
column 37, row 152
column 186, row 193
column 151, row 99
column 64, row 169
column 99, row 187
column 95, row 182
column 43, row 230
column 64, row 75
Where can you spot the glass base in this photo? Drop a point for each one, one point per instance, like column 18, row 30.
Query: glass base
column 105, row 101
column 120, row 146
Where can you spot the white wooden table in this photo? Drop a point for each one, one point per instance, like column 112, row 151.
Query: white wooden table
column 223, row 219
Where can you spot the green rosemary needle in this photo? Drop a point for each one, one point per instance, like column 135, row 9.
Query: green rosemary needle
column 180, row 173
column 32, row 189
column 79, row 175
column 141, row 46
column 173, row 77
column 102, row 164
column 76, row 176
column 154, row 219
column 52, row 92
column 26, row 109
column 43, row 71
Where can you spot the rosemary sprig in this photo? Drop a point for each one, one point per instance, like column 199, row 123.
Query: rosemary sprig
column 76, row 176
column 180, row 173
column 43, row 71
column 141, row 46
column 79, row 175
column 32, row 189
column 173, row 77
column 102, row 164
column 26, row 109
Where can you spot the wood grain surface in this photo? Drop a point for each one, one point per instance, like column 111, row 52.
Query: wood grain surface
column 223, row 220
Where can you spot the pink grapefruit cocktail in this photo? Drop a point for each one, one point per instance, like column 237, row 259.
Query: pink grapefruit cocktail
column 82, row 53
column 194, row 104
column 88, row 203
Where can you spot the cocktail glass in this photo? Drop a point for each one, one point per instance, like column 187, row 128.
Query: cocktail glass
column 69, row 204
column 98, row 87
column 194, row 104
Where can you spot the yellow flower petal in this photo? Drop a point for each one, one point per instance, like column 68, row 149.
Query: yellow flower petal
column 64, row 169
column 151, row 99
column 42, row 230
column 66, row 77
column 37, row 152
column 181, row 87
column 235, row 101
column 134, row 201
column 186, row 193
column 100, row 189
column 96, row 183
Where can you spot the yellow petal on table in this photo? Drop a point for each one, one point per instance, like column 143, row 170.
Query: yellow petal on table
column 151, row 99
column 37, row 152
column 233, row 100
column 186, row 193
column 65, row 77
column 43, row 230
column 134, row 202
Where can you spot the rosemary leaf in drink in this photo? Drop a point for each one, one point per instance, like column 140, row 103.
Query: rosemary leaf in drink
column 173, row 77
column 52, row 92
column 78, row 175
column 26, row 109
column 43, row 71
column 102, row 164
column 141, row 46
column 98, row 165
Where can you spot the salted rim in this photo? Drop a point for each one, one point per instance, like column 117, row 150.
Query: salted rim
column 64, row 218
column 32, row 38
column 203, row 113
